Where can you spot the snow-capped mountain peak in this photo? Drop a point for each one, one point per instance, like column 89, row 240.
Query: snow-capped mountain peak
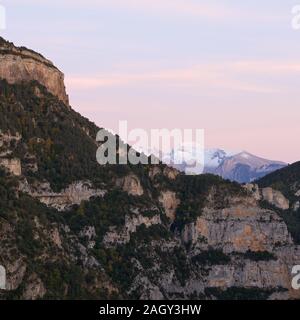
column 214, row 157
column 240, row 166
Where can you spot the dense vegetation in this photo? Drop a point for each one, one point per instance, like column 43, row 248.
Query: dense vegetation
column 237, row 293
column 108, row 211
column 62, row 277
column 292, row 220
column 257, row 255
column 194, row 192
column 63, row 144
column 284, row 180
column 211, row 257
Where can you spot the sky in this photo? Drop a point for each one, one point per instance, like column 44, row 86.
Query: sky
column 229, row 67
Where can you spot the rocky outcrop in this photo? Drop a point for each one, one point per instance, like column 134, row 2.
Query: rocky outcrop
column 154, row 171
column 58, row 247
column 10, row 257
column 13, row 165
column 170, row 203
column 89, row 233
column 73, row 194
column 275, row 198
column 254, row 190
column 150, row 291
column 34, row 289
column 7, row 160
column 55, row 237
column 115, row 236
column 131, row 184
column 20, row 64
column 170, row 173
column 239, row 229
column 221, row 238
column 273, row 275
column 6, row 139
column 249, row 274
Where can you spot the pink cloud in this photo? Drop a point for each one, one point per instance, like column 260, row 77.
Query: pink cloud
column 227, row 75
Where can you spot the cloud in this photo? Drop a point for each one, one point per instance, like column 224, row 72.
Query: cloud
column 267, row 67
column 227, row 75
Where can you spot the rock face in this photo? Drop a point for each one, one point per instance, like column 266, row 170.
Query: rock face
column 7, row 139
column 12, row 165
column 120, row 244
column 263, row 274
column 33, row 284
column 170, row 203
column 115, row 237
column 239, row 229
column 170, row 173
column 35, row 289
column 7, row 159
column 73, row 194
column 21, row 64
column 131, row 184
column 274, row 197
column 256, row 248
column 15, row 265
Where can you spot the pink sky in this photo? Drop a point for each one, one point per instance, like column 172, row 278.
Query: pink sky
column 244, row 105
column 229, row 67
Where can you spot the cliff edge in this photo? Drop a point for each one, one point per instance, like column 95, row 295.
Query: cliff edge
column 18, row 64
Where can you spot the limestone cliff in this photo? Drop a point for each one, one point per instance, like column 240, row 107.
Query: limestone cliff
column 131, row 184
column 72, row 229
column 270, row 195
column 19, row 64
column 170, row 203
column 74, row 194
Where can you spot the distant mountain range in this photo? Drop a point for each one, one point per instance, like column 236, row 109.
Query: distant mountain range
column 246, row 167
column 240, row 166
column 71, row 229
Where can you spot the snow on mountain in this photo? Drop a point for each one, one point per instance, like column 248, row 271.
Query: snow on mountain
column 240, row 166
column 246, row 167
column 214, row 157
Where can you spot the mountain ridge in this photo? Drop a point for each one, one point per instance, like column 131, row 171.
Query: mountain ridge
column 246, row 167
column 72, row 229
column 19, row 64
column 240, row 166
